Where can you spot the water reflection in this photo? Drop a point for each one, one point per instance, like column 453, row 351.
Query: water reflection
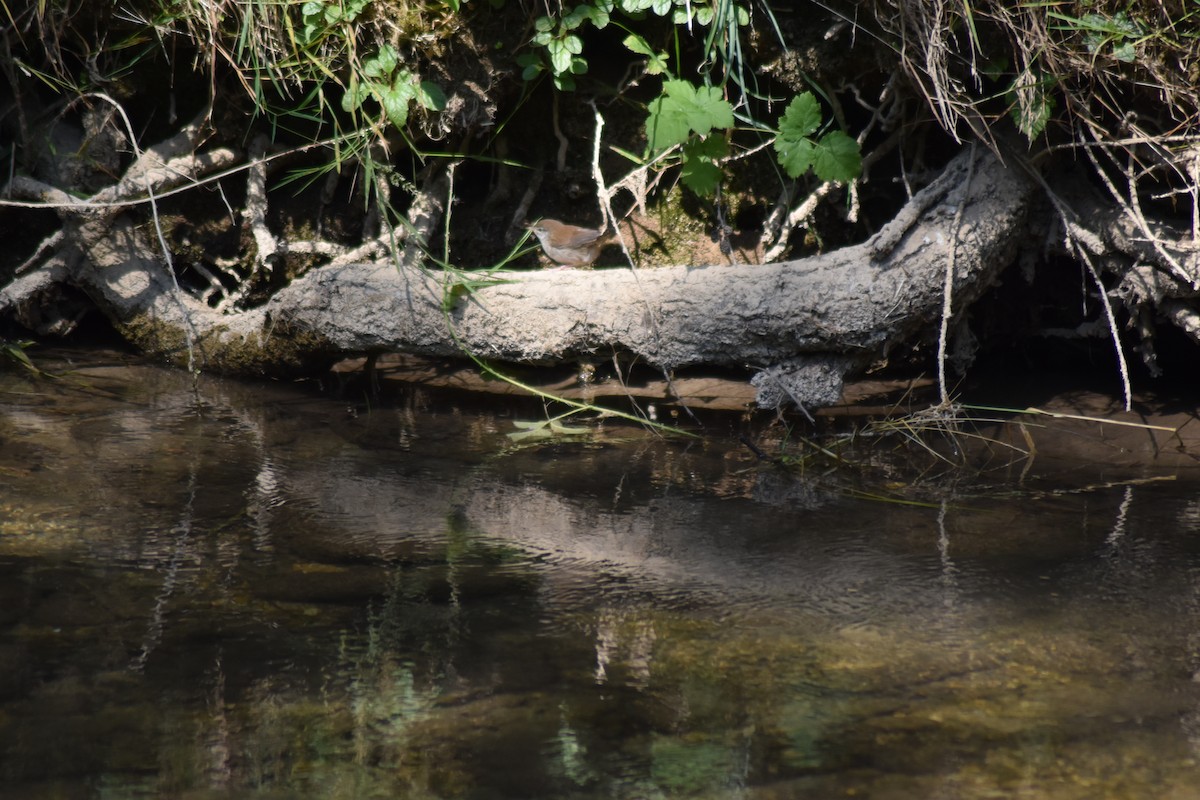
column 247, row 591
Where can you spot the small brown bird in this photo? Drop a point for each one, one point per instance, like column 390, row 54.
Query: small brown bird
column 570, row 245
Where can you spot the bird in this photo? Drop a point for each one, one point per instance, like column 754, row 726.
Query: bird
column 570, row 245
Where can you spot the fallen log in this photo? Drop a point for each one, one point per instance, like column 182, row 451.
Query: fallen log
column 803, row 325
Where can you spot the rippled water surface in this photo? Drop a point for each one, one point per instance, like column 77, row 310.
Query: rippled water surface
column 241, row 590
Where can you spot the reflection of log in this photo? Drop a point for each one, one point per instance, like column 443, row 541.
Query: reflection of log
column 810, row 321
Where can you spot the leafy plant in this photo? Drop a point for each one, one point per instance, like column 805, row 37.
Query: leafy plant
column 320, row 17
column 1031, row 104
column 699, row 119
column 656, row 60
column 561, row 43
column 702, row 159
column 1100, row 31
column 393, row 87
column 684, row 111
column 687, row 115
column 833, row 157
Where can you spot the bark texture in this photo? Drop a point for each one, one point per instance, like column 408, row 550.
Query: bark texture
column 852, row 304
column 804, row 323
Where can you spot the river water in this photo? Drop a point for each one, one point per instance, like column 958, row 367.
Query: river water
column 228, row 590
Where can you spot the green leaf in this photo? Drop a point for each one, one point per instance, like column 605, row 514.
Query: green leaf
column 1032, row 105
column 395, row 105
column 382, row 64
column 801, row 117
column 597, row 14
column 667, row 124
column 313, row 16
column 396, row 98
column 1124, row 52
column 638, row 45
column 531, row 65
column 451, row 296
column 562, row 52
column 701, row 173
column 468, row 286
column 710, row 110
column 431, row 96
column 837, row 158
column 579, row 15
column 656, row 63
column 795, row 155
column 683, row 109
column 355, row 94
column 560, row 57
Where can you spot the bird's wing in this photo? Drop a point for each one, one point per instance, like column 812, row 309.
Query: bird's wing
column 584, row 237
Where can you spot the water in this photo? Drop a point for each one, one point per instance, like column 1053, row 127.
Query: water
column 255, row 591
